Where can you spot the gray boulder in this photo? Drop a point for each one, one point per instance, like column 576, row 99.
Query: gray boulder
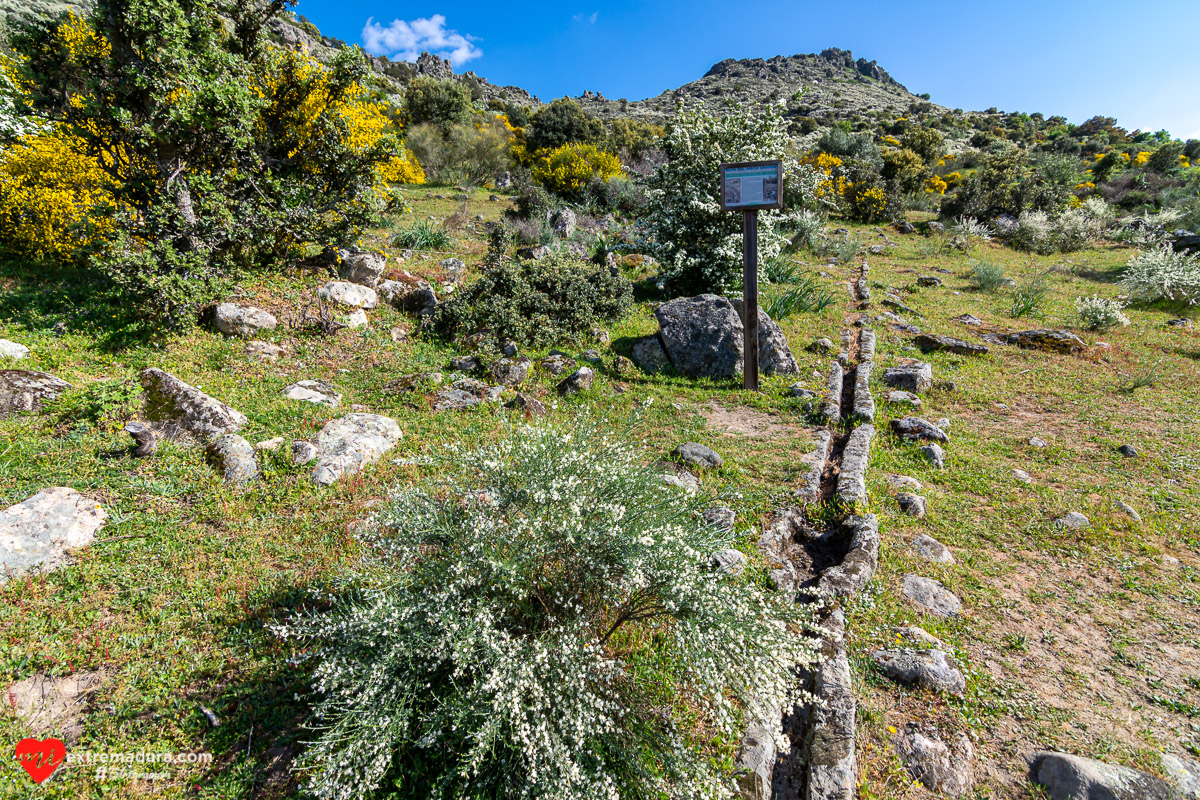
column 940, row 768
column 729, row 561
column 465, row 394
column 1184, row 773
column 348, row 295
column 234, row 457
column 411, row 294
column 363, row 267
column 263, row 351
column 346, row 445
column 774, row 355
column 648, row 354
column 720, row 517
column 912, row 505
column 930, row 669
column 464, row 364
column 558, row 364
column 697, row 455
column 532, row 407
column 928, row 547
column 916, row 429
column 27, row 390
column 303, row 452
column 929, row 280
column 1073, row 520
column 932, row 342
column 1067, row 777
column 1041, row 339
column 245, row 322
column 930, row 596
column 37, row 532
column 511, row 371
column 934, row 455
column 578, row 381
column 317, row 392
column 901, row 397
column 181, row 409
column 916, row 378
column 702, row 336
column 12, row 350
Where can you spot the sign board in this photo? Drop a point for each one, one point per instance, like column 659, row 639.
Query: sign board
column 752, row 185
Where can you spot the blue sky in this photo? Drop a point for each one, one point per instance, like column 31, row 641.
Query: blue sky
column 1138, row 63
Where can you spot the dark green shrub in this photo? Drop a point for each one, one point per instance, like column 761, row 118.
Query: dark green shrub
column 553, row 300
column 443, row 103
column 1166, row 158
column 561, row 122
column 905, row 167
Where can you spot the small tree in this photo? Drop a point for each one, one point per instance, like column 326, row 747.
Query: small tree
column 561, row 122
column 442, row 103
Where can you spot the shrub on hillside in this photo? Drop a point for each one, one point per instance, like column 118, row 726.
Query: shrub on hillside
column 570, row 169
column 543, row 621
column 1100, row 313
column 1163, row 274
column 987, row 276
column 537, row 303
column 441, row 103
column 561, row 122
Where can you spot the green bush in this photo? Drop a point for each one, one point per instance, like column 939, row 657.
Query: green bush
column 441, row 103
column 986, row 276
column 1163, row 274
column 561, row 122
column 543, row 621
column 537, row 303
column 423, row 235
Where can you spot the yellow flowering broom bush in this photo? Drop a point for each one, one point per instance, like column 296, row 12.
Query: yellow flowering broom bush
column 569, row 169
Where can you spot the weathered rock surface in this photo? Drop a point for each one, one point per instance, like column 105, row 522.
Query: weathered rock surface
column 348, row 295
column 904, row 482
column 697, row 455
column 182, row 409
column 263, row 351
column 969, row 320
column 832, row 764
column 464, row 394
column 1184, row 773
column 578, row 381
column 729, row 561
column 900, row 397
column 303, row 452
column 849, row 578
column 464, row 364
column 454, row 269
column 774, row 355
column 930, row 596
column 530, row 405
column 916, row 378
column 677, row 475
column 245, row 322
column 364, row 267
column 12, row 350
column 27, row 390
column 143, row 437
column 913, row 429
column 934, row 455
column 1068, row 777
column 754, row 763
column 511, row 371
column 1041, row 339
column 557, row 364
column 932, row 342
column 702, row 336
column 648, row 354
column 1073, row 520
column 413, row 382
column 940, row 768
column 928, row 547
column 929, row 280
column 912, row 505
column 561, row 221
column 234, row 457
column 317, row 392
column 930, row 669
column 37, row 532
column 852, row 481
column 346, row 445
column 720, row 517
column 409, row 294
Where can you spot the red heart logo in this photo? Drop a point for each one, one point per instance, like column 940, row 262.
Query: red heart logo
column 41, row 758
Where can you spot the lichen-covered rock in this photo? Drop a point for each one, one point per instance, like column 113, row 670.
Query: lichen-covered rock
column 648, row 354
column 916, row 378
column 917, row 429
column 930, row 596
column 27, row 390
column 697, row 455
column 578, row 381
column 182, row 409
column 464, row 394
column 454, row 269
column 37, row 532
column 932, row 342
column 702, row 336
column 346, row 445
column 930, row 669
column 912, row 505
column 242, row 321
column 12, row 350
column 928, row 547
column 934, row 454
column 303, row 452
column 364, row 267
column 234, row 456
column 316, row 391
column 558, row 364
column 348, row 295
column 409, row 294
column 530, row 405
column 562, row 222
column 1058, row 341
column 511, row 371
column 942, row 768
column 774, row 355
column 1068, row 777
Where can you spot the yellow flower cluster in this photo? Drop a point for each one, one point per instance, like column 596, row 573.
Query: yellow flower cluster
column 952, row 179
column 1141, row 158
column 935, row 185
column 872, row 202
column 570, row 168
column 54, row 198
column 891, row 141
column 826, row 164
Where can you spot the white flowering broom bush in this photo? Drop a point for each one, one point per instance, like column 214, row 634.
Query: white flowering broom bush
column 1100, row 313
column 698, row 244
column 543, row 622
column 1163, row 274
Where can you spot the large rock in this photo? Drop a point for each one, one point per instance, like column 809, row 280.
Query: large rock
column 948, row 344
column 13, row 350
column 234, row 456
column 410, row 294
column 348, row 295
column 774, row 355
column 648, row 354
column 930, row 669
column 561, row 221
column 697, row 455
column 916, row 378
column 245, row 322
column 702, row 336
column 930, row 596
column 181, row 409
column 346, row 445
column 38, row 531
column 917, row 429
column 27, row 390
column 940, row 768
column 1067, row 777
column 363, row 267
column 511, row 371
column 1042, row 339
column 317, row 392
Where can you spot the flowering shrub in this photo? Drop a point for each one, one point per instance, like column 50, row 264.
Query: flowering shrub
column 569, row 169
column 934, row 184
column 542, row 622
column 1163, row 274
column 1100, row 313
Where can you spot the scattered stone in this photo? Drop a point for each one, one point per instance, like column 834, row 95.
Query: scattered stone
column 1128, row 451
column 916, row 378
column 1067, row 777
column 27, row 390
column 511, row 371
column 464, row 394
column 1042, row 339
column 916, row 429
column 936, row 227
column 798, row 390
column 912, row 505
column 934, row 455
column 674, row 474
column 363, row 267
column 930, row 596
column 900, row 397
column 530, row 405
column 13, row 350
column 562, row 222
column 930, row 669
column 934, row 342
column 37, row 532
column 906, row 227
column 263, row 351
column 578, row 381
column 920, row 636
column 143, row 438
column 1038, row 442
column 896, row 303
column 1180, row 323
column 536, row 253
column 1022, row 476
column 356, row 319
column 929, row 280
column 232, row 319
column 590, row 356
column 234, row 456
column 938, row 767
column 303, row 452
column 317, row 392
column 729, row 561
column 409, row 294
column 466, row 364
column 930, row 548
column 876, row 249
column 269, row 445
column 697, row 455
column 346, row 445
column 558, row 364
column 1073, row 520
column 182, row 409
column 1128, row 510
column 454, row 269
column 969, row 319
column 720, row 517
column 348, row 295
column 822, row 346
column 904, row 482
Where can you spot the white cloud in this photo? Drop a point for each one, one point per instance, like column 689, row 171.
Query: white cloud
column 404, row 41
column 590, row 19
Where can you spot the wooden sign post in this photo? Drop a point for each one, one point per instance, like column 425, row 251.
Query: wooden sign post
column 748, row 187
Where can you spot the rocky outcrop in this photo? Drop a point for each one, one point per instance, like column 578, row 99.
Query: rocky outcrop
column 774, row 355
column 37, row 532
column 702, row 336
column 245, row 322
column 1068, row 777
column 234, row 457
column 346, row 445
column 409, row 294
column 945, row 769
column 930, row 669
column 348, row 295
column 916, row 378
column 364, row 267
column 932, row 342
column 181, row 409
column 27, row 390
column 1057, row 341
